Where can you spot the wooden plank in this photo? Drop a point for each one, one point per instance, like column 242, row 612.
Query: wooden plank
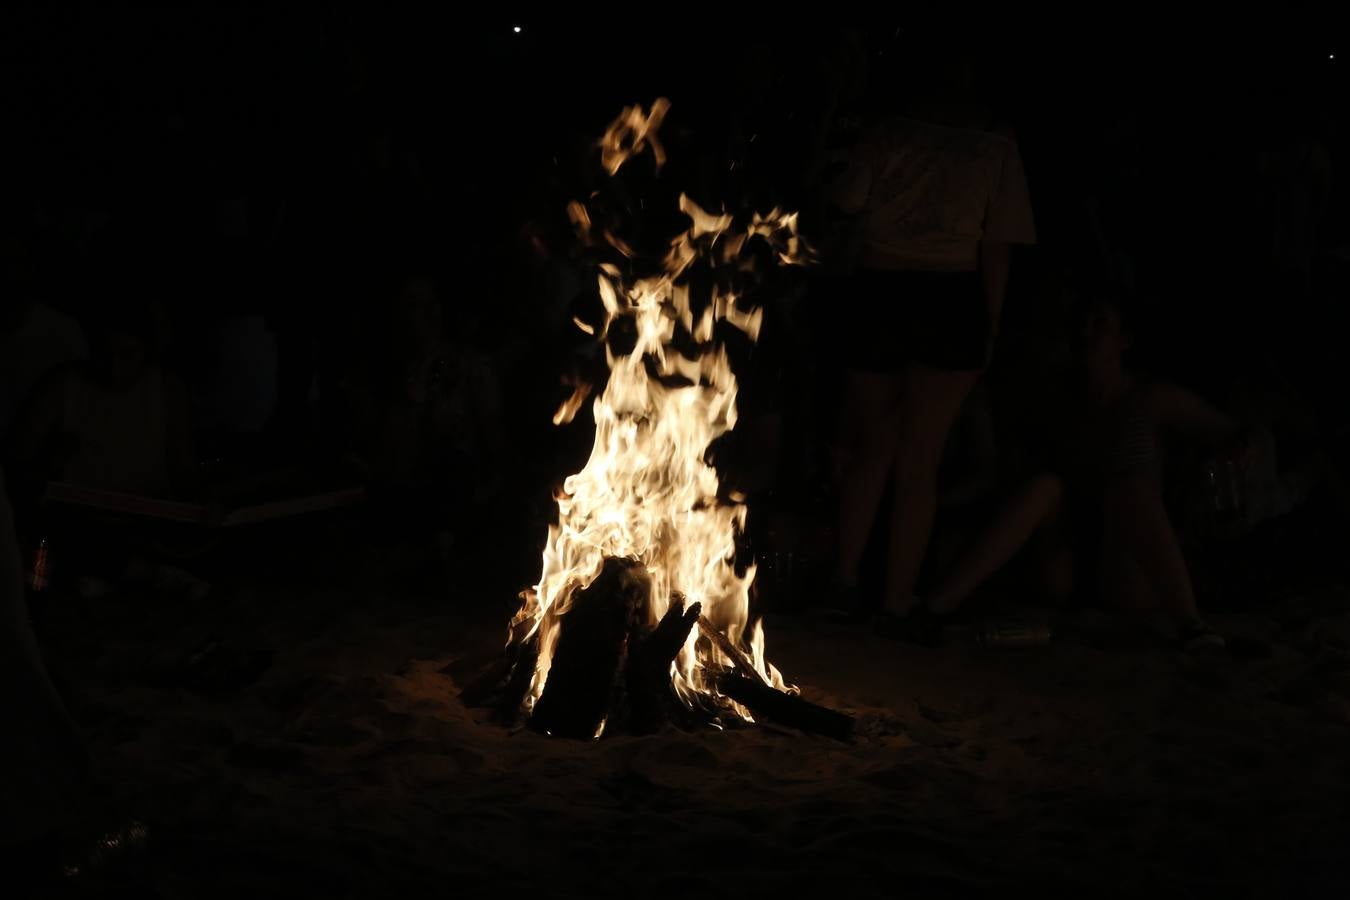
column 197, row 513
column 128, row 504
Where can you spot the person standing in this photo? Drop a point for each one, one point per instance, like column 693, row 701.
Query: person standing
column 938, row 193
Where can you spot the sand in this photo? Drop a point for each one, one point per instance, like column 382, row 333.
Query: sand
column 344, row 764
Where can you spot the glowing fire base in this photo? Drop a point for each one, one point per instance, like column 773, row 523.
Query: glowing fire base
column 610, row 671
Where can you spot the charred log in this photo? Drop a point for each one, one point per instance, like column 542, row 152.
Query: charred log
column 647, row 675
column 786, row 709
column 591, row 650
column 608, row 667
column 501, row 687
column 730, row 650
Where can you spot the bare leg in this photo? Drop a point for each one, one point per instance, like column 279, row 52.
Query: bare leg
column 929, row 405
column 873, row 397
column 1033, row 507
column 1053, row 552
column 1137, row 527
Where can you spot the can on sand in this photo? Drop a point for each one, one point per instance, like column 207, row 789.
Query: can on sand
column 1014, row 631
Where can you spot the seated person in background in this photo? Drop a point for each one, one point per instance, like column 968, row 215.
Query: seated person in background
column 972, row 454
column 118, row 422
column 35, row 339
column 431, row 411
column 1096, row 513
column 969, row 481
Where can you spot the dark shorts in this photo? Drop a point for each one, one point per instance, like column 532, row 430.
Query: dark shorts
column 888, row 320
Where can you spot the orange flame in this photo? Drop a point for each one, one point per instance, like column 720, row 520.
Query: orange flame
column 631, row 133
column 647, row 493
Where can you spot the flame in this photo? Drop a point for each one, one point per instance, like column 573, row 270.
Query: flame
column 646, row 492
column 631, row 133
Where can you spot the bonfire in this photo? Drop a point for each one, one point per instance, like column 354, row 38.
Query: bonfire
column 641, row 608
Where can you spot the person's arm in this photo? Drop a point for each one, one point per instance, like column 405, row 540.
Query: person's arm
column 33, row 449
column 1008, row 221
column 487, row 405
column 995, row 257
column 1139, row 531
column 184, row 474
column 493, row 451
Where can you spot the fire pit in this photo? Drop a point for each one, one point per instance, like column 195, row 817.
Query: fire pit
column 641, row 613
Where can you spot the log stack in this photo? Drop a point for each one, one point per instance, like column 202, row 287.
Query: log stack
column 611, row 671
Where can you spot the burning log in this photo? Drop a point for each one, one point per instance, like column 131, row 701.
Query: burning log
column 647, row 676
column 723, row 643
column 604, row 667
column 647, row 698
column 784, row 708
column 591, row 652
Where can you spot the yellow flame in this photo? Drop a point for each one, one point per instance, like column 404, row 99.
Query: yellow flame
column 631, row 133
column 572, row 405
column 646, row 492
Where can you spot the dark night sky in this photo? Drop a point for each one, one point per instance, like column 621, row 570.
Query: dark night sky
column 207, row 136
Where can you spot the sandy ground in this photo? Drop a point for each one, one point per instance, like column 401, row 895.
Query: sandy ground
column 348, row 767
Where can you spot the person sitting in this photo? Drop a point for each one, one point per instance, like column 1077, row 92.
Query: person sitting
column 430, row 414
column 1096, row 514
column 118, row 422
column 35, row 340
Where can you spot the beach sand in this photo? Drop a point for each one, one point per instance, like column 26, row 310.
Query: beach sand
column 343, row 764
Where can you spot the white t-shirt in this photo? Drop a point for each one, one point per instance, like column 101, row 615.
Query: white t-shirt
column 928, row 195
